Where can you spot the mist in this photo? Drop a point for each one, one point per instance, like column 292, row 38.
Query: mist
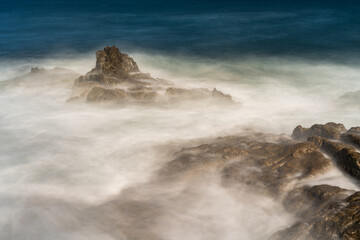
column 73, row 171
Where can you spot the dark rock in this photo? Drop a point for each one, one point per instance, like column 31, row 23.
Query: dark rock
column 116, row 77
column 328, row 130
column 299, row 199
column 112, row 67
column 265, row 165
column 353, row 139
column 346, row 156
column 328, row 212
column 354, row 130
column 112, row 62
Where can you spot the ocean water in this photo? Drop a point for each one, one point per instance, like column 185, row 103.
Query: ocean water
column 324, row 30
column 285, row 63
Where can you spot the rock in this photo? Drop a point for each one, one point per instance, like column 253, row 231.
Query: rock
column 265, row 165
column 346, row 156
column 111, row 62
column 195, row 94
column 99, row 94
column 328, row 130
column 112, row 67
column 116, row 77
column 326, row 212
column 219, row 95
column 354, row 130
column 351, row 138
column 300, row 198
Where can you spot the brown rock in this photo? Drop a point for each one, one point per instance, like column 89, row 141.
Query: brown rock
column 98, row 94
column 346, row 156
column 112, row 67
column 353, row 139
column 328, row 130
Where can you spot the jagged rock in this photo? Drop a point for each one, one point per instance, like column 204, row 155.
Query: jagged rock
column 116, row 77
column 326, row 212
column 346, row 156
column 112, row 67
column 328, row 130
column 264, row 165
column 350, row 138
column 112, row 62
column 354, row 130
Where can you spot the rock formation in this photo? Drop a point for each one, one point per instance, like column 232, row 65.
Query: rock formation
column 327, row 212
column 329, row 130
column 272, row 165
column 117, row 78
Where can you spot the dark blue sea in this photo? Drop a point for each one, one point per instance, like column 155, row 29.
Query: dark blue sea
column 322, row 30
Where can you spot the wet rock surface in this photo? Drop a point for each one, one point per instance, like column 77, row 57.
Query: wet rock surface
column 271, row 165
column 329, row 130
column 324, row 211
column 117, row 78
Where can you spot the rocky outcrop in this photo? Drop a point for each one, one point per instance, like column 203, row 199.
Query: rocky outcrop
column 329, row 130
column 337, row 142
column 112, row 68
column 326, row 212
column 265, row 163
column 275, row 166
column 116, row 78
column 345, row 155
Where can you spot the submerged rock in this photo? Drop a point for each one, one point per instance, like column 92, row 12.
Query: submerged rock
column 44, row 78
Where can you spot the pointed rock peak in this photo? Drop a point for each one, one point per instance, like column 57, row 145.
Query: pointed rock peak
column 111, row 61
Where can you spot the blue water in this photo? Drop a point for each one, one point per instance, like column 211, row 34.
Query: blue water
column 322, row 30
